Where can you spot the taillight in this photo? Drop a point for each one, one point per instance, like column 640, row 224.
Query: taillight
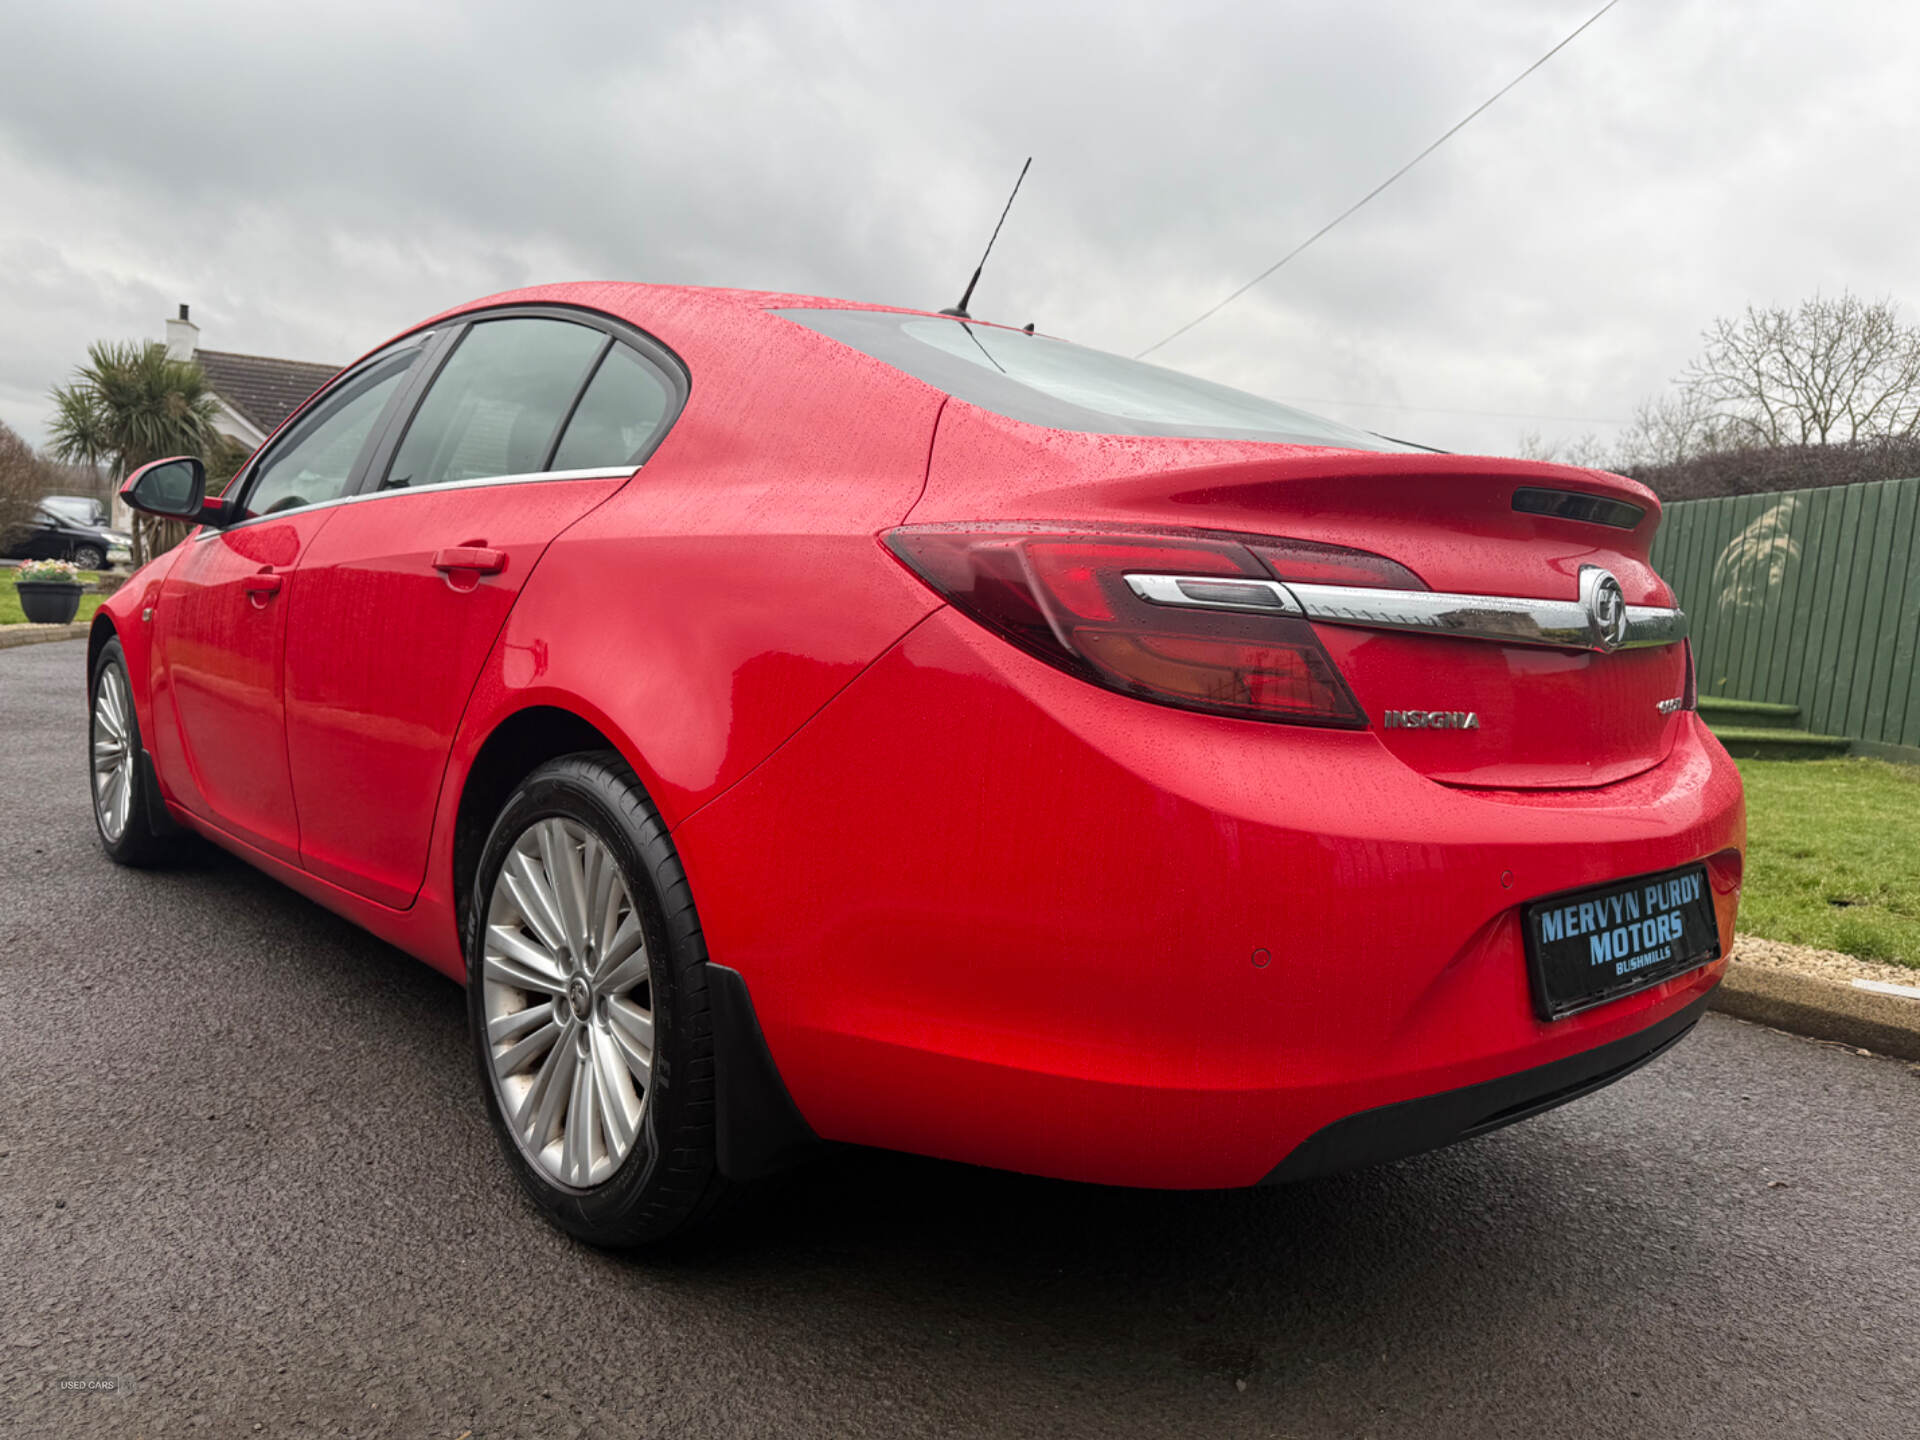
column 1186, row 618
column 1690, row 689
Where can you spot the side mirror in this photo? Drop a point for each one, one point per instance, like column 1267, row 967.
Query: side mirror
column 172, row 489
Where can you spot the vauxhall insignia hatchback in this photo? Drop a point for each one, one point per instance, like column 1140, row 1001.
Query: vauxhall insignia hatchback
column 796, row 721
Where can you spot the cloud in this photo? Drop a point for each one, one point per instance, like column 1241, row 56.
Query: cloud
column 314, row 178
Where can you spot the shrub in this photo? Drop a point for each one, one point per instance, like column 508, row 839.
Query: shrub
column 1762, row 470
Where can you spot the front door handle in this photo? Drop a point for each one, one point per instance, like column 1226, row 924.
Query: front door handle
column 261, row 587
column 471, row 558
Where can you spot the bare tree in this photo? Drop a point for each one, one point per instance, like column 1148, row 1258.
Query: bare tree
column 1672, row 429
column 1827, row 370
column 1587, row 450
column 23, row 481
column 1533, row 446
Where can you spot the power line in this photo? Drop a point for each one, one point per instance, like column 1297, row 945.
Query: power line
column 1449, row 410
column 1477, row 111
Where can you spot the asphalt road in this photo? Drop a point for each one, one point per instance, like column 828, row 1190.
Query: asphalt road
column 243, row 1165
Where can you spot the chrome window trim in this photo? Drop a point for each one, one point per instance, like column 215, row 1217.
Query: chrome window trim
column 599, row 472
column 1506, row 619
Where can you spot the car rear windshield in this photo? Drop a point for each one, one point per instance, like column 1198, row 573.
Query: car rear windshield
column 75, row 507
column 1049, row 382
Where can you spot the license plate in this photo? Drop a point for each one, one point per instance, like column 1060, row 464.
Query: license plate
column 1587, row 947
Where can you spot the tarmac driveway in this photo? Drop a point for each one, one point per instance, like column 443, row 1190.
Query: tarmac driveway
column 243, row 1166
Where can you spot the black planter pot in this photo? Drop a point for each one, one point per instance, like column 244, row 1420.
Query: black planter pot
column 49, row 602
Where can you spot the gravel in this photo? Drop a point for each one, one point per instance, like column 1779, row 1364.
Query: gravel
column 1822, row 964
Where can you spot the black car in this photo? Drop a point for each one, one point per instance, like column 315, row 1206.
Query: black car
column 84, row 508
column 50, row 535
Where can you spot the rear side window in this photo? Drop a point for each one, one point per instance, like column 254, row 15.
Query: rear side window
column 497, row 403
column 619, row 416
column 316, row 459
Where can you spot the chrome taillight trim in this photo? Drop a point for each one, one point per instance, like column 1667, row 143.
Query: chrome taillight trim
column 1593, row 622
column 1216, row 592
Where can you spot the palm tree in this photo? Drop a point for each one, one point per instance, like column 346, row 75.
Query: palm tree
column 128, row 405
column 79, row 432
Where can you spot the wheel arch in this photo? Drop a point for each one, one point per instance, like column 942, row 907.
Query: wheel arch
column 759, row 1130
column 518, row 744
column 98, row 636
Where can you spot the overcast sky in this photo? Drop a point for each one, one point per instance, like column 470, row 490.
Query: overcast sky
column 314, row 178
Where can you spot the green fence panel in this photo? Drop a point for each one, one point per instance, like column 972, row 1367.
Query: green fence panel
column 1900, row 655
column 1724, row 616
column 1713, row 520
column 1808, row 598
column 1810, row 619
column 1760, row 583
column 1899, row 573
column 1876, row 585
column 1838, row 601
column 1781, row 612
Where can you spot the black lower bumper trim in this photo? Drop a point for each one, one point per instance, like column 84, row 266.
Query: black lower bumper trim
column 1393, row 1132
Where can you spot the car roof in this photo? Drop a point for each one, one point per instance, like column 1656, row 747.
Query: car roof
column 674, row 314
column 638, row 297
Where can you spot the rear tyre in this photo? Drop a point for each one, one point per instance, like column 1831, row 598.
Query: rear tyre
column 89, row 557
column 588, row 1008
column 120, row 778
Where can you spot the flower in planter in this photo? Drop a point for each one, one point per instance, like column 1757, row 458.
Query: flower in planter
column 49, row 591
column 48, row 572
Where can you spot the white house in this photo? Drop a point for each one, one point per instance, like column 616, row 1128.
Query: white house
column 255, row 392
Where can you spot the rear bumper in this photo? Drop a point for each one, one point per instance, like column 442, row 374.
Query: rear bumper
column 1393, row 1132
column 990, row 913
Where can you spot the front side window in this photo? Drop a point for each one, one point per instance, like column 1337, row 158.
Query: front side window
column 316, row 459
column 1049, row 382
column 617, row 419
column 497, row 403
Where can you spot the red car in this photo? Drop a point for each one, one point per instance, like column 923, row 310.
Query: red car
column 798, row 721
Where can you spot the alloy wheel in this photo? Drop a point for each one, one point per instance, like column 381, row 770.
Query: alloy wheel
column 568, row 1003
column 113, row 757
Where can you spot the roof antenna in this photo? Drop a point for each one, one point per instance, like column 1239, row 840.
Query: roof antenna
column 959, row 312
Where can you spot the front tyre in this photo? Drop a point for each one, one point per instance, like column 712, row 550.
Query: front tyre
column 120, row 778
column 587, row 1003
column 89, row 557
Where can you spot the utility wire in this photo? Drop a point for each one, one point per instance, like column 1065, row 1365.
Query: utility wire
column 1449, row 410
column 1477, row 111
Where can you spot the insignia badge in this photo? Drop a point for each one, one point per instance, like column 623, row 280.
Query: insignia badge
column 1433, row 720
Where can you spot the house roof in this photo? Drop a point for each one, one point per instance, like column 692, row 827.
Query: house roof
column 263, row 390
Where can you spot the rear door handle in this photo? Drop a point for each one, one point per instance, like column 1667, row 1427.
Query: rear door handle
column 259, row 587
column 470, row 558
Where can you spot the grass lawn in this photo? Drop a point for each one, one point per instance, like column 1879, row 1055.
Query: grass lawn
column 1833, row 856
column 10, row 613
